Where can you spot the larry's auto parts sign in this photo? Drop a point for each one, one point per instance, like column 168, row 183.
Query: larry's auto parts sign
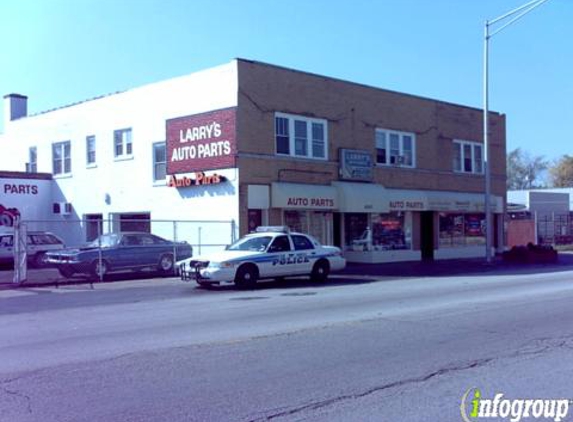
column 205, row 141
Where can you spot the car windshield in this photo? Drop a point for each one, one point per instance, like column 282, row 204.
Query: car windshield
column 105, row 241
column 258, row 243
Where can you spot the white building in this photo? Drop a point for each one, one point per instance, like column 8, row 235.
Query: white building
column 107, row 155
column 541, row 203
column 387, row 176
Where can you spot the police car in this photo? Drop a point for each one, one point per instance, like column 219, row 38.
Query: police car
column 270, row 252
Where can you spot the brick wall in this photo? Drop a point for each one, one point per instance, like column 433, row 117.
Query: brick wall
column 353, row 112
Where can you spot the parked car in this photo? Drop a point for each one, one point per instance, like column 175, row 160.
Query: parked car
column 271, row 252
column 37, row 244
column 114, row 252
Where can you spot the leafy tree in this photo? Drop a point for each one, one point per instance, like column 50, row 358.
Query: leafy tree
column 524, row 171
column 561, row 172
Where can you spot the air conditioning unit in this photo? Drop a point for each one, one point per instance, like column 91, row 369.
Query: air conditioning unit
column 65, row 208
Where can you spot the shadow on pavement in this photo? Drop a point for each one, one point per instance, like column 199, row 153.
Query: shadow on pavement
column 370, row 273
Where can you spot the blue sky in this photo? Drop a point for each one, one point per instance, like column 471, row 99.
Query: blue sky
column 59, row 52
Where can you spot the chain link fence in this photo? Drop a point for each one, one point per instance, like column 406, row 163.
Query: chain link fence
column 555, row 229
column 51, row 251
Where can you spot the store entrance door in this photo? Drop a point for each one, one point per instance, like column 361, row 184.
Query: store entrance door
column 337, row 229
column 427, row 235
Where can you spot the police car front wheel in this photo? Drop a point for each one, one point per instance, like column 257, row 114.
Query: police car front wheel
column 246, row 277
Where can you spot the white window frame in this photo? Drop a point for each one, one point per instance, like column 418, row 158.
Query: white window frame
column 126, row 139
column 32, row 160
column 88, row 162
column 292, row 118
column 156, row 163
column 64, row 158
column 458, row 143
column 401, row 135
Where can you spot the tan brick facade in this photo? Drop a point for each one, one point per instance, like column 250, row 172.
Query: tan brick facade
column 353, row 112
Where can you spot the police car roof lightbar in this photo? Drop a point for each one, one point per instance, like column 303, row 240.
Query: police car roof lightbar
column 280, row 229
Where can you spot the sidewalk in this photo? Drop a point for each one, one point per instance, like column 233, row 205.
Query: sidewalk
column 49, row 277
column 457, row 267
column 454, row 267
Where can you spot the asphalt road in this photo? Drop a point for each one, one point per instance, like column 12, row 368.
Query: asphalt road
column 392, row 350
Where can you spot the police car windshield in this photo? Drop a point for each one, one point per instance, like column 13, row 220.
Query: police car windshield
column 258, row 243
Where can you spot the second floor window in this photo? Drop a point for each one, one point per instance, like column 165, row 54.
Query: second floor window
column 300, row 136
column 122, row 145
column 32, row 166
column 395, row 148
column 90, row 150
column 159, row 161
column 468, row 157
column 62, row 158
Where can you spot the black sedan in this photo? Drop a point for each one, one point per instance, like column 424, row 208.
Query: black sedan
column 115, row 252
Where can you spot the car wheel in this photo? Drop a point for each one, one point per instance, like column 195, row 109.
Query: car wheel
column 66, row 272
column 246, row 277
column 39, row 260
column 320, row 271
column 99, row 269
column 166, row 264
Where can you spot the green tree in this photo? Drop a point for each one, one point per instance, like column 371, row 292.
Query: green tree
column 524, row 171
column 561, row 172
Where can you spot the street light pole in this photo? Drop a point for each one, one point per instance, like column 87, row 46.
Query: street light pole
column 515, row 15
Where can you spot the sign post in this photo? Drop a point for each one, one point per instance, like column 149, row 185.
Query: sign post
column 20, row 252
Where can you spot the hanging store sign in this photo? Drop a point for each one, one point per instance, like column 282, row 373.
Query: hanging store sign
column 355, row 164
column 205, row 141
column 194, row 179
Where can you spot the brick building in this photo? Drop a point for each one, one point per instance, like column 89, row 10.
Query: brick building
column 385, row 175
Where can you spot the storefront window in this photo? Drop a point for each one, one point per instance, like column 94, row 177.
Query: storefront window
column 389, row 231
column 378, row 232
column 475, row 229
column 316, row 223
column 357, row 234
column 458, row 230
column 296, row 221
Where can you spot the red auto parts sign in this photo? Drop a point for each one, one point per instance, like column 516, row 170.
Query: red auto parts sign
column 205, row 141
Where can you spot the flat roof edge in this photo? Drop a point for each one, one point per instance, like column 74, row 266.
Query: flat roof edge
column 24, row 175
column 256, row 62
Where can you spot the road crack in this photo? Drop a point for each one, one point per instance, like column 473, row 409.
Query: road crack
column 531, row 348
column 414, row 380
